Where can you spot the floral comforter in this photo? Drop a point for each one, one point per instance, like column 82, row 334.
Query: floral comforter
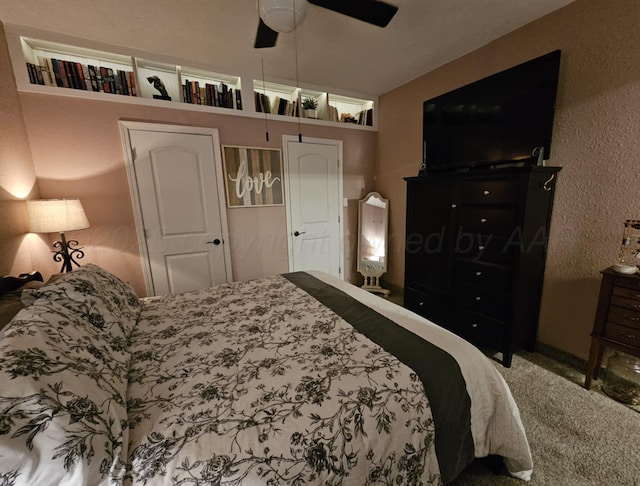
column 247, row 383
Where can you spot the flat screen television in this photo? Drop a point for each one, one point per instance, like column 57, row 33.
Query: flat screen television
column 505, row 118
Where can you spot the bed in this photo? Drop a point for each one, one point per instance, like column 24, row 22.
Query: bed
column 297, row 378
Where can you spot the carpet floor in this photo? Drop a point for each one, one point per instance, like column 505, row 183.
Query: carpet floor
column 578, row 437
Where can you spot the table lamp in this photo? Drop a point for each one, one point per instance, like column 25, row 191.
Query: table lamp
column 58, row 216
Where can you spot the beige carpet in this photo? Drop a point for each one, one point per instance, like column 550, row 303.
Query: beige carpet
column 577, row 437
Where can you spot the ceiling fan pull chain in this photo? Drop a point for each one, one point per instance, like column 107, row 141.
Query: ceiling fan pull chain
column 295, row 48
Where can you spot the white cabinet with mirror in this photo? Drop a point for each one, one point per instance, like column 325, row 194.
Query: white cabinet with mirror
column 373, row 213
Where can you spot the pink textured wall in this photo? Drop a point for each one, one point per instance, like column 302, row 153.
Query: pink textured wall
column 595, row 141
column 17, row 176
column 77, row 152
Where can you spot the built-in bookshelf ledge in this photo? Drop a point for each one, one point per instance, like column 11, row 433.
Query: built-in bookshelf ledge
column 71, row 93
column 54, row 64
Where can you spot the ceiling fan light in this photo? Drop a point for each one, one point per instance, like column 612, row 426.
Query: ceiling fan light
column 279, row 14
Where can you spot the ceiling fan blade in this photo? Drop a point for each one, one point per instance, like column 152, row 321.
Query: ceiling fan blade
column 370, row 11
column 266, row 36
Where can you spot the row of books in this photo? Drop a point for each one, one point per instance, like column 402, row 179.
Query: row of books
column 211, row 95
column 364, row 117
column 75, row 75
column 280, row 106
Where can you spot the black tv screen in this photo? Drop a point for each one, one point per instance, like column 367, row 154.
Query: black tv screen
column 504, row 118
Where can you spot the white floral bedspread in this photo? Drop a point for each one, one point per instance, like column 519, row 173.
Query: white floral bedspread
column 228, row 388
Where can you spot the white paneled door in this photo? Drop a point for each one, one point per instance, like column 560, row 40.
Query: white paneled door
column 314, row 205
column 182, row 213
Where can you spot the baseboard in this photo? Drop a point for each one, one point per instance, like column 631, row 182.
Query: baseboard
column 562, row 356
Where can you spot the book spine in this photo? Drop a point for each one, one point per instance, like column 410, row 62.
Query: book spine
column 46, row 70
column 70, row 71
column 32, row 73
column 118, row 81
column 186, row 93
column 127, row 81
column 104, row 74
column 93, row 79
column 81, row 82
column 112, row 81
column 63, row 74
column 124, row 86
column 238, row 99
column 216, row 95
column 132, row 81
column 56, row 73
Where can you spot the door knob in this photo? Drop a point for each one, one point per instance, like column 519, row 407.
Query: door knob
column 298, row 233
column 217, row 241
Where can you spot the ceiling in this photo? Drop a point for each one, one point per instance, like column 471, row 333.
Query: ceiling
column 340, row 52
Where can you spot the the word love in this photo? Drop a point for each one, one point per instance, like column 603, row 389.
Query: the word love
column 245, row 183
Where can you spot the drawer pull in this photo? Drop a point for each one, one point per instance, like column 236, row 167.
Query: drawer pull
column 483, row 220
column 478, row 274
column 474, row 325
column 486, row 193
column 634, row 318
column 630, row 336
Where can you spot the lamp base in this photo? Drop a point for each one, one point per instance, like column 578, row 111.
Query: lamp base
column 66, row 253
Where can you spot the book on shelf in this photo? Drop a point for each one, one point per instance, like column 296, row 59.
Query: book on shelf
column 76, row 75
column 63, row 74
column 104, row 77
column 132, row 82
column 46, row 69
column 238, row 99
column 93, row 77
column 81, row 82
column 208, row 94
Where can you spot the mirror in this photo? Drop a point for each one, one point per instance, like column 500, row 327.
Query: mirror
column 373, row 213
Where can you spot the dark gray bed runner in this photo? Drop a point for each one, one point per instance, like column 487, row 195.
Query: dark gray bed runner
column 438, row 370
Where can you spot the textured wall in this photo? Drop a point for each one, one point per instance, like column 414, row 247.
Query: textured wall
column 595, row 141
column 17, row 175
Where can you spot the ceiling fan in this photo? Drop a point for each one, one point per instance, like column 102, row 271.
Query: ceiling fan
column 285, row 15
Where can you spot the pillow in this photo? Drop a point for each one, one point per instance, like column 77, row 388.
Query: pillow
column 98, row 296
column 63, row 386
column 11, row 302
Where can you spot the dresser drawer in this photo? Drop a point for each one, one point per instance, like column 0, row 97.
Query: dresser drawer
column 477, row 273
column 478, row 329
column 627, row 293
column 424, row 304
column 484, row 248
column 632, row 304
column 631, row 283
column 486, row 220
column 623, row 316
column 483, row 300
column 622, row 334
column 502, row 191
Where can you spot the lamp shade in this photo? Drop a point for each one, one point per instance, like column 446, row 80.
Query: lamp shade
column 283, row 15
column 56, row 215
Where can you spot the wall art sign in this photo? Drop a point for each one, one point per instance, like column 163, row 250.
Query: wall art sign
column 252, row 176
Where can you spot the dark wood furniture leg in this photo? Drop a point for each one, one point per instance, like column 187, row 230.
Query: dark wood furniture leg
column 595, row 358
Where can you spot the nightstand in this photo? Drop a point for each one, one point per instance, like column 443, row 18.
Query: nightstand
column 617, row 321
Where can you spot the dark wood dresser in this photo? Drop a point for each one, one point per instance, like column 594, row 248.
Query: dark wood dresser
column 475, row 252
column 617, row 322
